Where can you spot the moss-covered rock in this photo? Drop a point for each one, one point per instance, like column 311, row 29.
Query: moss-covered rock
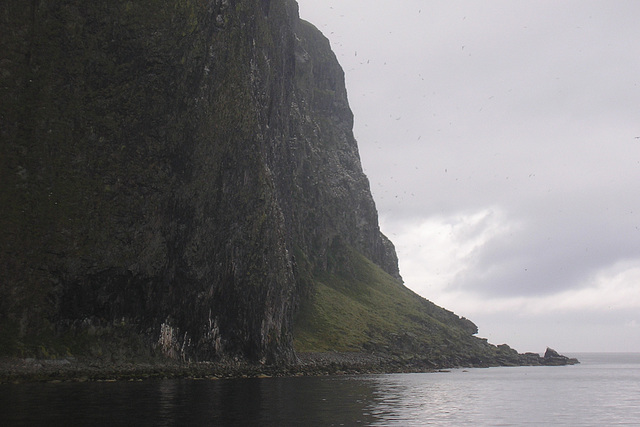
column 135, row 181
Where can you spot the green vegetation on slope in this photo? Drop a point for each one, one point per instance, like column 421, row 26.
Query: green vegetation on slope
column 359, row 307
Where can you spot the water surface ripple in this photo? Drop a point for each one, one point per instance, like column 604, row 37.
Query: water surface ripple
column 603, row 390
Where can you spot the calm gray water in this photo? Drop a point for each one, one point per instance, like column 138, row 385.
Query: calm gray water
column 604, row 390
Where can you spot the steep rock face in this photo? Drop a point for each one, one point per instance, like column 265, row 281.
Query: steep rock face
column 172, row 170
column 331, row 195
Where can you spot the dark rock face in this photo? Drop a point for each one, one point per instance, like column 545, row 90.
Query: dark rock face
column 553, row 358
column 167, row 168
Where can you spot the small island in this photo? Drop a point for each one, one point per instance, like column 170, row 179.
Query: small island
column 553, row 358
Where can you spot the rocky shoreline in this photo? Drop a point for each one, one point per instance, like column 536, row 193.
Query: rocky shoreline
column 14, row 370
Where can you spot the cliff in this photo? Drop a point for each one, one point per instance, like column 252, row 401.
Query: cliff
column 181, row 178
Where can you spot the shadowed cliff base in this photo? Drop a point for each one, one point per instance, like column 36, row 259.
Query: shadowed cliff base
column 79, row 370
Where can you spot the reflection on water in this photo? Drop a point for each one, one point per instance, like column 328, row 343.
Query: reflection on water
column 593, row 393
column 603, row 390
column 275, row 401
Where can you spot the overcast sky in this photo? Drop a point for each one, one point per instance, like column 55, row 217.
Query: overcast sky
column 502, row 143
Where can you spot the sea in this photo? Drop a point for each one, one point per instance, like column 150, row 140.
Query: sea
column 603, row 390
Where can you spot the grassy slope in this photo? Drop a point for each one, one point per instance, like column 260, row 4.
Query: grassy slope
column 362, row 308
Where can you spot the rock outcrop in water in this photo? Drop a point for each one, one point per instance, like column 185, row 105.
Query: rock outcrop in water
column 553, row 358
column 181, row 178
